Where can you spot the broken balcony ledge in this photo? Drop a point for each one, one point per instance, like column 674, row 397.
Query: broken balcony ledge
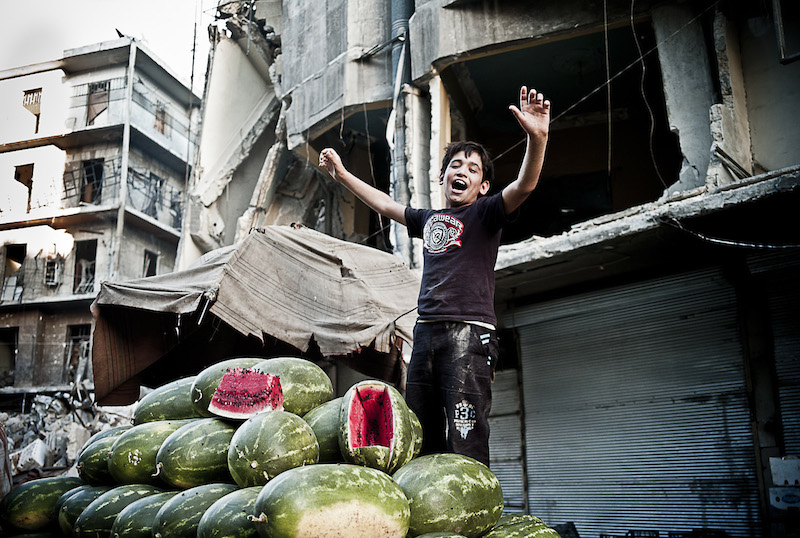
column 645, row 217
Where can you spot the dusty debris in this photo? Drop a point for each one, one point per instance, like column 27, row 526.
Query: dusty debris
column 45, row 441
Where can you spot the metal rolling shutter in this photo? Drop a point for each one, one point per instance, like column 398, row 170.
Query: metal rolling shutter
column 636, row 409
column 505, row 440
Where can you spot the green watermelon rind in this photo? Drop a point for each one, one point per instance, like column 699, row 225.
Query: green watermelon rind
column 180, row 516
column 268, row 444
column 136, row 519
column 170, row 401
column 75, row 504
column 329, row 496
column 98, row 518
column 387, row 459
column 231, row 516
column 207, row 381
column 450, row 493
column 133, row 455
column 324, row 420
column 115, row 431
column 31, row 505
column 521, row 526
column 196, row 454
column 304, row 384
column 92, row 463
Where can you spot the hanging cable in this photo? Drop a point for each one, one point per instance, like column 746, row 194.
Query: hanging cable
column 675, row 223
column 608, row 77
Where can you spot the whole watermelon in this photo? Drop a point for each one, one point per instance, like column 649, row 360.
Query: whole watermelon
column 450, row 493
column 97, row 519
column 323, row 500
column 304, row 384
column 180, row 516
column 375, row 427
column 231, row 516
column 207, row 381
column 324, row 420
column 133, row 455
column 269, row 444
column 521, row 526
column 170, row 401
column 136, row 519
column 196, row 454
column 115, row 431
column 31, row 505
column 92, row 463
column 72, row 506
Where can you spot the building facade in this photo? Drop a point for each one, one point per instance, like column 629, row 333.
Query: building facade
column 95, row 151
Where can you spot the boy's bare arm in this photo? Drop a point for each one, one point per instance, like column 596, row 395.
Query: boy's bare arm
column 533, row 116
column 377, row 200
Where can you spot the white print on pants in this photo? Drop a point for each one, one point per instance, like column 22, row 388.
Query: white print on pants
column 464, row 417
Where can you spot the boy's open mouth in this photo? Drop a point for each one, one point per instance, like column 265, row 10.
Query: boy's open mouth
column 459, row 185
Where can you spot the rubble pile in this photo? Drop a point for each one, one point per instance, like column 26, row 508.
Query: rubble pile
column 45, row 440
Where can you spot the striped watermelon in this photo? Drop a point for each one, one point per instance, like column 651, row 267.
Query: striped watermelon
column 136, row 519
column 180, row 516
column 92, row 463
column 304, row 384
column 168, row 402
column 375, row 427
column 327, row 500
column 441, row 535
column 98, row 518
column 268, row 444
column 207, row 381
column 115, row 431
column 324, row 420
column 31, row 505
column 231, row 516
column 73, row 505
column 133, row 455
column 196, row 454
column 450, row 493
column 521, row 526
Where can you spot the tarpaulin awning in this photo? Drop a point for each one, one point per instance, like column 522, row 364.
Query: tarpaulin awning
column 292, row 284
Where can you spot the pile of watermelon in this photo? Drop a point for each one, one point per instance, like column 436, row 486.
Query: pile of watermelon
column 254, row 447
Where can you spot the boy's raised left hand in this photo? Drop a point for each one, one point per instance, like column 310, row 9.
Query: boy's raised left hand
column 533, row 113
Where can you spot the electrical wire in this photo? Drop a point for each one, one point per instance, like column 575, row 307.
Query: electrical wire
column 675, row 223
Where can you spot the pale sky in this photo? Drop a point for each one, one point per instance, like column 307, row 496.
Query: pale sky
column 40, row 30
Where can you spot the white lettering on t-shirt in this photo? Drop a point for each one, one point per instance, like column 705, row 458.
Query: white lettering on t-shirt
column 441, row 232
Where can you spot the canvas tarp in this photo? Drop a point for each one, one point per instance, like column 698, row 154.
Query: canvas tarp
column 288, row 283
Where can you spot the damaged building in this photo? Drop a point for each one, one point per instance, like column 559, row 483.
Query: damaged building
column 647, row 292
column 95, row 152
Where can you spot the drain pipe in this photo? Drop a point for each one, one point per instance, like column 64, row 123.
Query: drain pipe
column 401, row 67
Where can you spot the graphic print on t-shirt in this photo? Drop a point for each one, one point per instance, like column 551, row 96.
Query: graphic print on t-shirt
column 441, row 232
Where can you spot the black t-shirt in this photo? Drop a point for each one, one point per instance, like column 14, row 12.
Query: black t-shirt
column 460, row 250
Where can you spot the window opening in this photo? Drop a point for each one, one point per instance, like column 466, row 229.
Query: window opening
column 31, row 100
column 85, row 257
column 24, row 174
column 150, row 263
column 787, row 29
column 92, row 181
column 9, row 346
column 76, row 361
column 14, row 274
column 97, row 101
column 53, row 270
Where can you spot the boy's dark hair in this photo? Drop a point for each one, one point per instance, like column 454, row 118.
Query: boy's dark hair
column 468, row 148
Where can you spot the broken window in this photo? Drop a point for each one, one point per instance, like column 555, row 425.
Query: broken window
column 150, row 263
column 97, row 102
column 162, row 119
column 53, row 270
column 24, row 174
column 9, row 338
column 76, row 361
column 85, row 258
column 31, row 100
column 14, row 274
column 92, row 181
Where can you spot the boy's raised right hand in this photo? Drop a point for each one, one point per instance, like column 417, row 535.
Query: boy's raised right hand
column 330, row 160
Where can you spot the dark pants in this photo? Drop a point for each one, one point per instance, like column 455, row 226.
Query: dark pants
column 449, row 386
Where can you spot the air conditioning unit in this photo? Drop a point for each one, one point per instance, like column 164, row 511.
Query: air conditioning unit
column 52, row 273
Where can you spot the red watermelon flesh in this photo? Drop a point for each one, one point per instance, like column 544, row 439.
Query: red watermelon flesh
column 245, row 392
column 371, row 418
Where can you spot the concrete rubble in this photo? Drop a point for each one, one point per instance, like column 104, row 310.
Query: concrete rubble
column 46, row 440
